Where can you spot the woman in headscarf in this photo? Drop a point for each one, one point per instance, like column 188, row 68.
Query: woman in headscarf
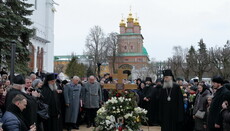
column 199, row 106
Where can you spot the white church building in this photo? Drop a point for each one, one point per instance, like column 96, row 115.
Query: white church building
column 42, row 49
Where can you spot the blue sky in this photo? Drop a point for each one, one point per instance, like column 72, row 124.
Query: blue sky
column 165, row 23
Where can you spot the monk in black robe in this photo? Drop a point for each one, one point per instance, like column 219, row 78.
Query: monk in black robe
column 171, row 108
column 155, row 101
column 50, row 94
column 147, row 94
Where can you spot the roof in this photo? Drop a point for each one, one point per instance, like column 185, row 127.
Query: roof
column 68, row 57
column 144, row 53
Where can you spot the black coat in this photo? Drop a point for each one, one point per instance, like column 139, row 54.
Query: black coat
column 220, row 96
column 51, row 98
column 171, row 113
column 30, row 113
column 226, row 119
column 147, row 92
column 155, row 98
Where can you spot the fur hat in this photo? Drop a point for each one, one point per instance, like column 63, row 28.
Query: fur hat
column 19, row 79
column 218, row 79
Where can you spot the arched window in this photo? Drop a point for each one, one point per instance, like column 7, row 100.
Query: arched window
column 125, row 47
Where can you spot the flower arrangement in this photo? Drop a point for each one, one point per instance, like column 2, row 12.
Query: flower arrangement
column 120, row 113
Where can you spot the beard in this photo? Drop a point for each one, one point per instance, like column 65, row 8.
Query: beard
column 168, row 84
column 53, row 86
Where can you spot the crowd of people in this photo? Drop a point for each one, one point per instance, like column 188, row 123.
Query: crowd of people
column 45, row 103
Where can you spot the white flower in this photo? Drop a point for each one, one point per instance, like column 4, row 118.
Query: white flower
column 101, row 110
column 128, row 115
column 139, row 110
column 121, row 99
column 107, row 122
column 107, row 117
column 114, row 108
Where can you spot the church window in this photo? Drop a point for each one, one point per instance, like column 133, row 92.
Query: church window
column 131, row 47
column 125, row 47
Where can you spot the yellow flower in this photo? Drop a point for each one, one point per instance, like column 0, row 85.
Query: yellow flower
column 138, row 119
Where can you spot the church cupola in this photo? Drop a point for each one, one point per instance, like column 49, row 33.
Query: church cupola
column 136, row 22
column 130, row 18
column 137, row 27
column 122, row 23
column 122, row 26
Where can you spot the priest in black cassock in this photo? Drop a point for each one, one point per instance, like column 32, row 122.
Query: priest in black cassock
column 146, row 102
column 50, row 94
column 171, row 107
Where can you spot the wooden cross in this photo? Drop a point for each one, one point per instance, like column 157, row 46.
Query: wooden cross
column 120, row 85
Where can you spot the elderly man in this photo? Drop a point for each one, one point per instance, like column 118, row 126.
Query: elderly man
column 92, row 98
column 72, row 93
column 13, row 119
column 30, row 113
column 50, row 94
column 171, row 104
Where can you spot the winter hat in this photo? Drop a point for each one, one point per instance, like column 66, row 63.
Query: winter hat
column 50, row 77
column 19, row 79
column 168, row 72
column 148, row 79
column 218, row 79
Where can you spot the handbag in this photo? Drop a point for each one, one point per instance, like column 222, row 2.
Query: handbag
column 43, row 110
column 200, row 114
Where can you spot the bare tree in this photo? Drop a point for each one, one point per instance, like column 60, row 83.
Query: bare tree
column 220, row 59
column 96, row 46
column 112, row 47
column 177, row 60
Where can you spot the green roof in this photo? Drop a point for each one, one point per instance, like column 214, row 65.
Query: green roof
column 68, row 57
column 144, row 53
column 130, row 34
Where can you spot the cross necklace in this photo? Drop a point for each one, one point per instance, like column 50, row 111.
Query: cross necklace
column 168, row 94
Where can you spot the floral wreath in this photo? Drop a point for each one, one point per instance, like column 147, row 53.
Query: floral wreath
column 120, row 112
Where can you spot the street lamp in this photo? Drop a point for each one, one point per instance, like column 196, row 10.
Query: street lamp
column 98, row 69
column 13, row 46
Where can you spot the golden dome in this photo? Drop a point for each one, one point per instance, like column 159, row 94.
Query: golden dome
column 130, row 17
column 136, row 22
column 122, row 23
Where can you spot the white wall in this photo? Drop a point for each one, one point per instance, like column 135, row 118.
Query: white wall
column 43, row 22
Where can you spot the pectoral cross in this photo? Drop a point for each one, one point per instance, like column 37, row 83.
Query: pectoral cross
column 120, row 85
